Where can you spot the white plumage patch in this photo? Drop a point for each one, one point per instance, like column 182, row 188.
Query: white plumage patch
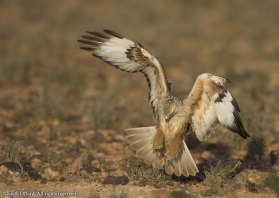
column 113, row 50
column 227, row 111
column 224, row 109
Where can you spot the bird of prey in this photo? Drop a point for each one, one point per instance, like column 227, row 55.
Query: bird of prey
column 208, row 104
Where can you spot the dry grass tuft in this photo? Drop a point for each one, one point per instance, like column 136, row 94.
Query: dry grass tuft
column 145, row 174
column 14, row 153
column 223, row 179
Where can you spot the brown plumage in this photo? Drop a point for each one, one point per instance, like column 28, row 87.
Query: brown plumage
column 208, row 104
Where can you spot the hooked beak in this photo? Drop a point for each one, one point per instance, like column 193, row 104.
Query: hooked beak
column 226, row 82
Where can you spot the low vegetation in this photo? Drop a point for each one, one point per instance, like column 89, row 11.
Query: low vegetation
column 145, row 174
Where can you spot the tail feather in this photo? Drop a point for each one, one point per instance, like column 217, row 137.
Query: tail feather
column 192, row 167
column 145, row 150
column 141, row 140
column 183, row 164
column 140, row 143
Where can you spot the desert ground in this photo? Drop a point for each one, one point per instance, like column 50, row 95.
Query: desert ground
column 63, row 112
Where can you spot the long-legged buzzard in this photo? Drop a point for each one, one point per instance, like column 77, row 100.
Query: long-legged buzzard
column 208, row 104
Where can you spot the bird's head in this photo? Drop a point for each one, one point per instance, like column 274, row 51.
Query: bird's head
column 216, row 79
column 169, row 109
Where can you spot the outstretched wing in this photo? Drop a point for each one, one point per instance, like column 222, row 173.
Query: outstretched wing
column 129, row 56
column 212, row 104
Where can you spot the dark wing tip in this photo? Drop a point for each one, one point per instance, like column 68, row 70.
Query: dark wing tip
column 235, row 104
column 112, row 33
column 88, row 42
column 94, row 38
column 239, row 128
column 86, row 48
column 244, row 133
column 240, row 131
column 99, row 34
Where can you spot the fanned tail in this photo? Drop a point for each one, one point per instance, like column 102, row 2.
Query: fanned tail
column 141, row 140
column 182, row 164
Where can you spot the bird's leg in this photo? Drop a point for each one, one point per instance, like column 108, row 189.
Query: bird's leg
column 158, row 142
column 174, row 146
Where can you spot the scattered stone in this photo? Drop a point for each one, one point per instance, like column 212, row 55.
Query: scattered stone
column 75, row 166
column 35, row 163
column 119, row 138
column 89, row 168
column 82, row 142
column 51, row 175
column 100, row 155
column 3, row 169
column 207, row 155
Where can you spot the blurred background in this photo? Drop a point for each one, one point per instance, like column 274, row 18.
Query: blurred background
column 59, row 99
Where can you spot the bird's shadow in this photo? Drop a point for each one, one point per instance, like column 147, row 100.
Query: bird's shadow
column 221, row 156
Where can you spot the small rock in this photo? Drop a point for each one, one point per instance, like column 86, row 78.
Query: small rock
column 35, row 163
column 75, row 166
column 100, row 155
column 3, row 169
column 55, row 122
column 89, row 168
column 207, row 155
column 51, row 175
column 83, row 142
column 119, row 138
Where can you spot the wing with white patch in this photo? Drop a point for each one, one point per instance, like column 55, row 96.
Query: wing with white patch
column 227, row 112
column 129, row 56
column 212, row 104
